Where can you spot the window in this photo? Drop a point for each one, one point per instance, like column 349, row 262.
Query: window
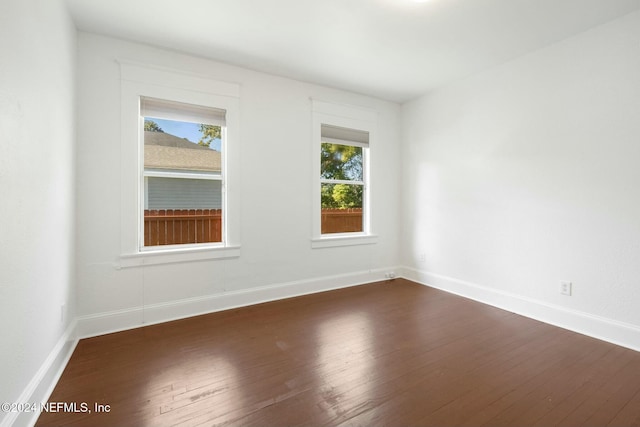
column 343, row 155
column 183, row 178
column 179, row 165
column 342, row 194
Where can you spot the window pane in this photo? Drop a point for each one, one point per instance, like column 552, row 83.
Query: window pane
column 180, row 211
column 341, row 162
column 171, row 145
column 181, row 208
column 341, row 208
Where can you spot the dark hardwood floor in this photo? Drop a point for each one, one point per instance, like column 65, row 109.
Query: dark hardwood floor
column 392, row 353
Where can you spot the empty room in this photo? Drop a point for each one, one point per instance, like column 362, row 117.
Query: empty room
column 337, row 213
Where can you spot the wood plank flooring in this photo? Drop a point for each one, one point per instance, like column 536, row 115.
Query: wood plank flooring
column 391, row 353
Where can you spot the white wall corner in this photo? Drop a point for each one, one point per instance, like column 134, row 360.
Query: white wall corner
column 605, row 329
column 44, row 381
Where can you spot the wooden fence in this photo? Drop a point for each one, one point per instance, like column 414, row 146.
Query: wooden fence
column 341, row 220
column 180, row 226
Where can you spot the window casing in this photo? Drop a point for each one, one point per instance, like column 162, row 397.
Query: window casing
column 342, row 202
column 181, row 97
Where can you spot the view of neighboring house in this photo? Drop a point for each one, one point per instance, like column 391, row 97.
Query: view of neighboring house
column 178, row 173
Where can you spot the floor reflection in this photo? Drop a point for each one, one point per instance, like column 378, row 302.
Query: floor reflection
column 190, row 389
column 345, row 364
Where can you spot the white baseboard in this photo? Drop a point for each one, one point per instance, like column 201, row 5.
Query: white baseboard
column 43, row 382
column 114, row 321
column 619, row 333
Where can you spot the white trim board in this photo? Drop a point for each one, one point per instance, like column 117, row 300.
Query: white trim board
column 605, row 329
column 135, row 317
column 44, row 381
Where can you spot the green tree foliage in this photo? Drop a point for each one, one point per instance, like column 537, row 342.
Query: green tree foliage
column 151, row 126
column 348, row 196
column 341, row 162
column 209, row 133
column 326, row 196
column 345, row 196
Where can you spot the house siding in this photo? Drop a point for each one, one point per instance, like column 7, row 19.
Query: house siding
column 181, row 193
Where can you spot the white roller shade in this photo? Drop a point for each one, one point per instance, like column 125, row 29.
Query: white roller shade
column 170, row 110
column 342, row 135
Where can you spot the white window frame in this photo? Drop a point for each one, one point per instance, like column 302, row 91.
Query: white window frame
column 350, row 117
column 139, row 81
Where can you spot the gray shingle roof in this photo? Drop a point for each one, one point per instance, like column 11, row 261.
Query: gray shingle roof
column 166, row 151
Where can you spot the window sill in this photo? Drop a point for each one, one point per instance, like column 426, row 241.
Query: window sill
column 170, row 256
column 343, row 240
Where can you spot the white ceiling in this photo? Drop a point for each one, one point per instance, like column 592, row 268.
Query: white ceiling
column 392, row 49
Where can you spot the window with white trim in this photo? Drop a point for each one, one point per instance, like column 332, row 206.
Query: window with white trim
column 342, row 202
column 179, row 165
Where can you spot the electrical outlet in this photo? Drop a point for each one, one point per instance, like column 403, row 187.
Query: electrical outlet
column 565, row 288
column 423, row 258
column 390, row 275
column 63, row 308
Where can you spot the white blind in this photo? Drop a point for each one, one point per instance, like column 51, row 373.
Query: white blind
column 170, row 110
column 340, row 134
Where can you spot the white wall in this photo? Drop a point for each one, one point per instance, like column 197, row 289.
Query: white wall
column 527, row 174
column 37, row 47
column 275, row 127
